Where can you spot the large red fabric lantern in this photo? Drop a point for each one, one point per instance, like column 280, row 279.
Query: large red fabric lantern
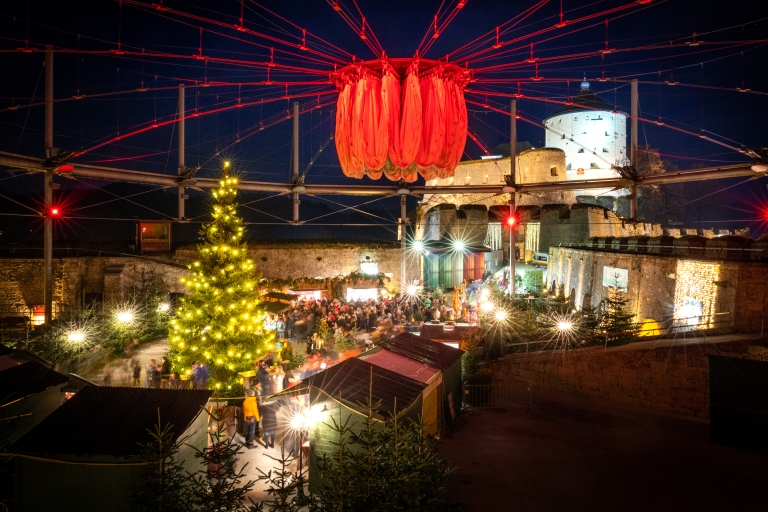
column 396, row 120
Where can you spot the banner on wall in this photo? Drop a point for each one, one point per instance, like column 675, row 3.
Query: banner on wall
column 616, row 277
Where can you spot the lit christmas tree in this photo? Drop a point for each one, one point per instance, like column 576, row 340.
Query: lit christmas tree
column 220, row 322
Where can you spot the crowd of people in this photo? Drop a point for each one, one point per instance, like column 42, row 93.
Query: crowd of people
column 301, row 321
column 160, row 376
column 316, row 320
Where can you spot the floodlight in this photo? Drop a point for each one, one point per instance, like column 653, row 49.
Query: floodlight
column 458, row 245
column 124, row 316
column 418, row 245
column 164, row 306
column 76, row 336
column 501, row 315
column 564, row 326
column 297, row 422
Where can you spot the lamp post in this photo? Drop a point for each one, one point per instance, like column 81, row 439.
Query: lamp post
column 511, row 221
column 302, row 422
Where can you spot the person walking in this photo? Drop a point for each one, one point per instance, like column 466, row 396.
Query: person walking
column 280, row 328
column 136, row 375
column 175, row 381
column 251, row 415
column 269, row 422
column 165, row 372
column 199, row 375
column 265, row 379
column 150, row 371
column 155, row 377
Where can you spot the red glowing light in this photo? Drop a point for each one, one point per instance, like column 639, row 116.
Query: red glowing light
column 143, row 228
column 511, row 221
column 54, row 211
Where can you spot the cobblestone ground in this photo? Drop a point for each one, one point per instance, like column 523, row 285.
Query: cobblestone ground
column 581, row 454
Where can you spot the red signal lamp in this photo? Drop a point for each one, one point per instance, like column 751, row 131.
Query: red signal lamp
column 511, row 221
column 54, row 212
column 66, row 169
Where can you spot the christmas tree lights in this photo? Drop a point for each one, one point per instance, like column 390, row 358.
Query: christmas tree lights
column 220, row 321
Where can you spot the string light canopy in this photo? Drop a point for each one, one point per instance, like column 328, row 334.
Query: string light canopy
column 401, row 118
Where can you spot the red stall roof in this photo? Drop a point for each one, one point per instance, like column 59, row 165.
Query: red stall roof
column 403, row 365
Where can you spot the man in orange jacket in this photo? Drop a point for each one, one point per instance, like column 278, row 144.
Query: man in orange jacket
column 251, row 414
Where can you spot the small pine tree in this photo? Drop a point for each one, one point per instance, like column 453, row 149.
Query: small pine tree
column 338, row 491
column 220, row 486
column 220, row 322
column 590, row 322
column 618, row 323
column 285, row 487
column 394, row 467
column 166, row 484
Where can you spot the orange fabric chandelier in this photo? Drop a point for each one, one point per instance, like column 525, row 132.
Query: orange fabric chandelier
column 401, row 118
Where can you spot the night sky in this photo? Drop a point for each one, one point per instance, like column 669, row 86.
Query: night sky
column 704, row 101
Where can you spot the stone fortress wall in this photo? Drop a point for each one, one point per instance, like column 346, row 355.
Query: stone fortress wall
column 313, row 259
column 671, row 379
column 115, row 278
column 112, row 278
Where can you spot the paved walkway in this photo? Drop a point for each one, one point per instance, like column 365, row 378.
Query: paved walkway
column 570, row 453
column 120, row 369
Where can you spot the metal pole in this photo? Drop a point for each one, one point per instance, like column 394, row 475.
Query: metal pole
column 295, row 160
column 633, row 148
column 48, row 190
column 512, row 196
column 403, row 280
column 633, row 202
column 182, row 167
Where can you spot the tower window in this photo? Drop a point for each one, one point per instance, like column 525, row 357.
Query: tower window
column 568, row 167
column 575, row 118
column 580, row 170
column 593, row 165
column 581, row 150
column 562, row 136
column 607, row 134
column 605, row 150
column 553, row 171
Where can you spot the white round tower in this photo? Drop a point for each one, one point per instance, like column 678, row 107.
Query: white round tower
column 594, row 138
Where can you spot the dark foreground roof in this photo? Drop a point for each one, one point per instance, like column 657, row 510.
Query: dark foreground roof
column 423, row 349
column 437, row 332
column 111, row 421
column 22, row 356
column 27, row 379
column 350, row 381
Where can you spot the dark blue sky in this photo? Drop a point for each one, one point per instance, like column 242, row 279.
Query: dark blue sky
column 735, row 118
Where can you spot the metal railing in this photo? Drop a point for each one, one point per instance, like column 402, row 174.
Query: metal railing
column 717, row 323
column 491, row 396
column 682, row 250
